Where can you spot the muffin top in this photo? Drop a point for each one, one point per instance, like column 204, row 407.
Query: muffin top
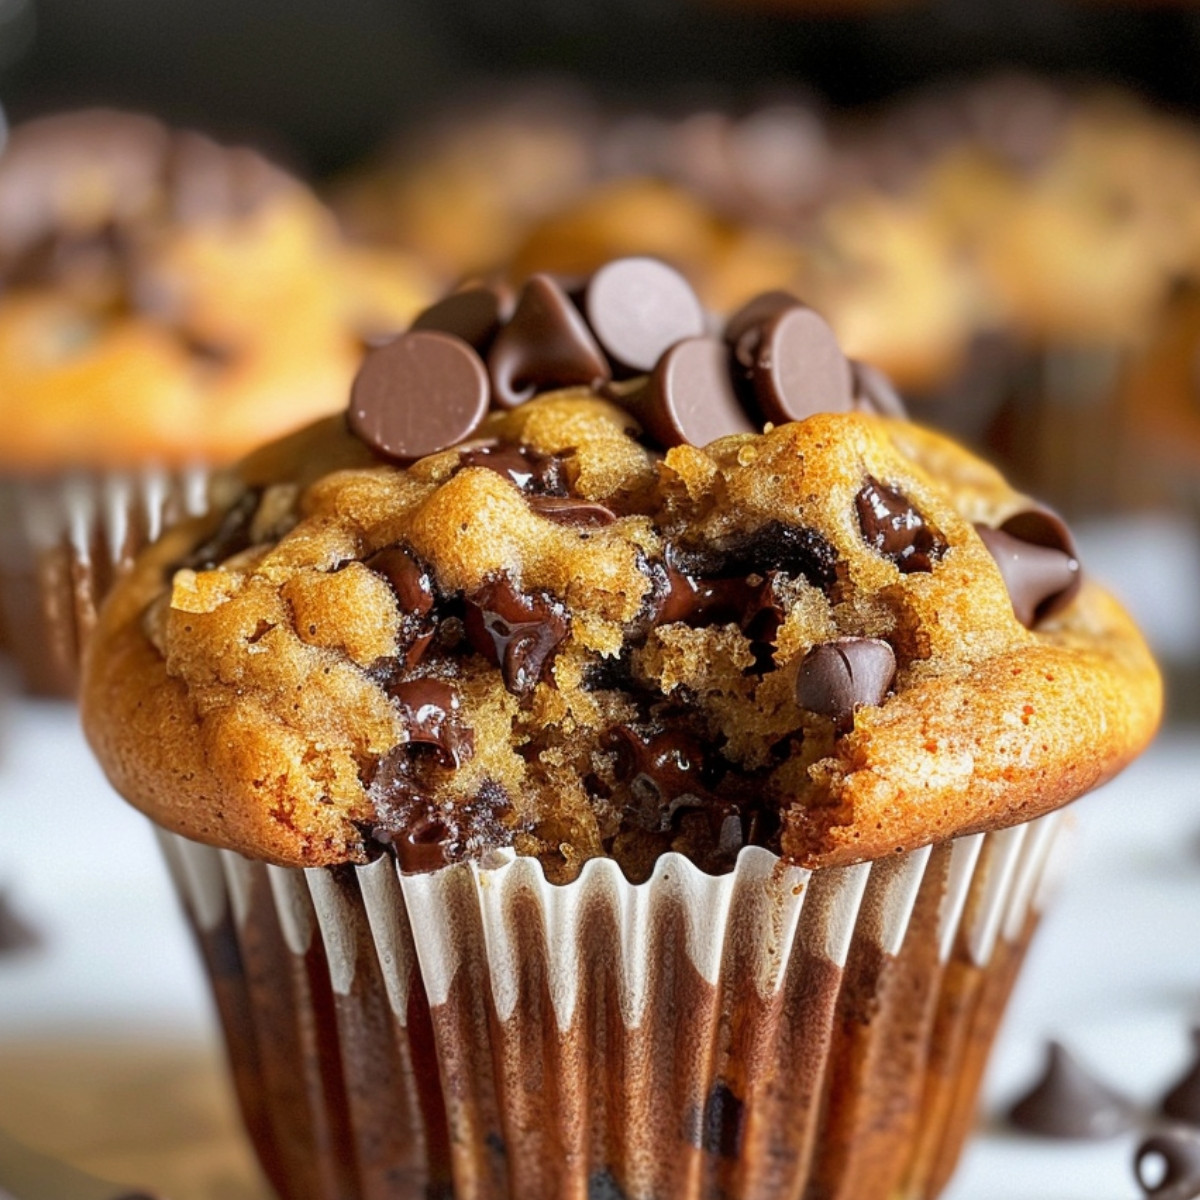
column 132, row 328
column 578, row 575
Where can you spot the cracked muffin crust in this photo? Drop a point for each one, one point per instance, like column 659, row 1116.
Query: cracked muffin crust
column 840, row 637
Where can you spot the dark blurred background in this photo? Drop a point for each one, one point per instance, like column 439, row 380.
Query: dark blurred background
column 320, row 83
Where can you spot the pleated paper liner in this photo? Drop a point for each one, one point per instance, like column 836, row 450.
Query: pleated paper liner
column 478, row 1033
column 64, row 540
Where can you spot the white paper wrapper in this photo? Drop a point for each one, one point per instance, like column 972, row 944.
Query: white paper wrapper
column 479, row 1033
column 64, row 539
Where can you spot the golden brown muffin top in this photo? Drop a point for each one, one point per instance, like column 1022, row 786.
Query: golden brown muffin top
column 167, row 299
column 840, row 637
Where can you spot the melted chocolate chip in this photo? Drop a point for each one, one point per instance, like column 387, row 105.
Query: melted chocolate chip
column 703, row 601
column 1167, row 1165
column 424, row 845
column 474, row 314
column 839, row 676
column 545, row 345
column 413, row 586
column 776, row 546
column 1069, row 1102
column 690, row 398
column 531, row 471
column 1182, row 1102
column 419, row 394
column 231, row 537
column 638, row 308
column 874, row 392
column 893, row 526
column 519, row 633
column 661, row 767
column 1037, row 577
column 566, row 510
column 429, row 709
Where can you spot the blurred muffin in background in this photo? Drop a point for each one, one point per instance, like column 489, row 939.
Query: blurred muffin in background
column 165, row 303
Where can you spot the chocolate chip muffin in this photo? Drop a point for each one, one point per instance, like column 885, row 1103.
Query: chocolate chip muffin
column 166, row 303
column 592, row 601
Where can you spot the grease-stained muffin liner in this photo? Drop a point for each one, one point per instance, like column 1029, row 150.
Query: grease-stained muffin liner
column 479, row 1033
column 64, row 540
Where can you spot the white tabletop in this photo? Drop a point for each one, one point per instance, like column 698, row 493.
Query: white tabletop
column 1115, row 971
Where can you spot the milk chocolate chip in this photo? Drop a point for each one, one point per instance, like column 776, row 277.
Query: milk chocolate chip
column 1069, row 1102
column 690, row 398
column 1167, row 1165
column 546, row 344
column 837, row 677
column 893, row 526
column 474, row 314
column 795, row 366
column 518, row 632
column 419, row 394
column 1037, row 577
column 638, row 308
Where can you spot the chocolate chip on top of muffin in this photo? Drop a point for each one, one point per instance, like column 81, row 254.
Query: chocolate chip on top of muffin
column 583, row 573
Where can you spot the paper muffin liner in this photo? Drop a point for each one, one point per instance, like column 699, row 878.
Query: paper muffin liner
column 480, row 1033
column 64, row 539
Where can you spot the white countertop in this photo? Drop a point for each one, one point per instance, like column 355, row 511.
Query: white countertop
column 1115, row 971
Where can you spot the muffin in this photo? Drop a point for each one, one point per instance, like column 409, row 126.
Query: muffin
column 613, row 758
column 166, row 304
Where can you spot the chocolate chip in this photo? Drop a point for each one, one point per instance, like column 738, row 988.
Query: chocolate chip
column 638, row 308
column 1037, row 577
column 474, row 314
column 660, row 766
column 837, row 677
column 703, row 601
column 231, row 536
column 1069, row 1102
column 566, row 510
column 1167, row 1165
column 546, row 344
column 417, row 395
column 690, row 398
column 529, row 469
column 1182, row 1102
column 429, row 709
column 423, row 845
column 413, row 586
column 517, row 632
column 875, row 393
column 795, row 366
column 751, row 317
column 892, row 526
column 794, row 550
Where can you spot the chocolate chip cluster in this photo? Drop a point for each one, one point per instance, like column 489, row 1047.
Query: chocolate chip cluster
column 635, row 333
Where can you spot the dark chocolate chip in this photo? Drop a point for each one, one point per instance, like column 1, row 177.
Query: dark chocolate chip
column 1043, row 527
column 837, row 677
column 796, row 366
column 690, row 398
column 1167, row 1165
column 519, row 633
column 529, row 469
column 1069, row 1102
column 724, row 1118
column 1182, row 1102
column 893, row 526
column 474, row 314
column 231, row 536
column 875, row 393
column 638, row 308
column 752, row 316
column 704, row 601
column 417, row 395
column 429, row 709
column 413, row 586
column 776, row 546
column 546, row 344
column 566, row 510
column 1036, row 576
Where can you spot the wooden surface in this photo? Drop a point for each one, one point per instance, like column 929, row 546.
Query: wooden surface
column 158, row 1115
